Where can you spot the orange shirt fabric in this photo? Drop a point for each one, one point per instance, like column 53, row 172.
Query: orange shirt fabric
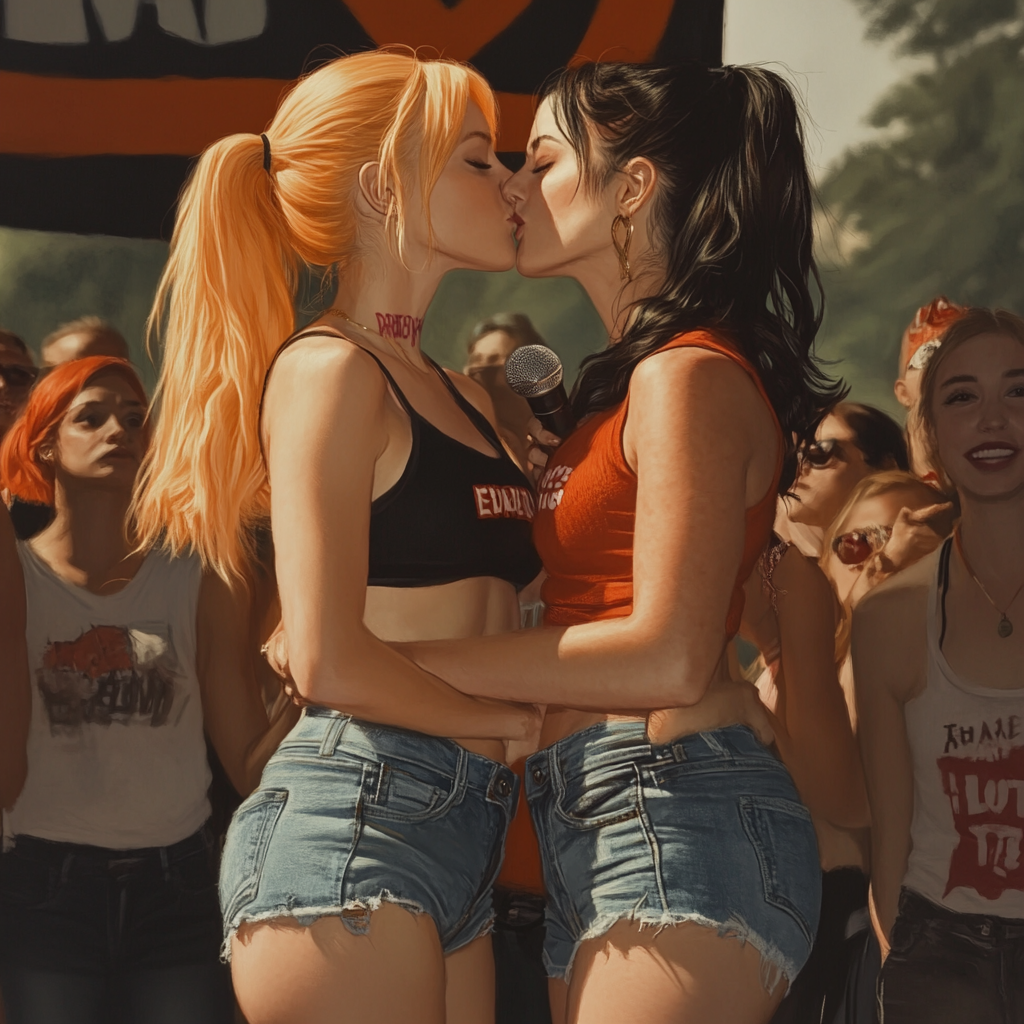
column 583, row 531
column 586, row 509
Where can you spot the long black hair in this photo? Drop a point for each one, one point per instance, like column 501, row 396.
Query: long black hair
column 733, row 221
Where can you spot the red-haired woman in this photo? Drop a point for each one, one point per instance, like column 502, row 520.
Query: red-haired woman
column 108, row 901
column 937, row 655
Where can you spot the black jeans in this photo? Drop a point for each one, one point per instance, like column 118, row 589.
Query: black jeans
column 93, row 936
column 949, row 968
column 521, row 984
column 837, row 984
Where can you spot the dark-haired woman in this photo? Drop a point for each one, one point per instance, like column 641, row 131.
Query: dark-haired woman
column 681, row 868
column 852, row 442
column 937, row 654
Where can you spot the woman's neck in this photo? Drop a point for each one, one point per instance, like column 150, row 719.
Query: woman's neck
column 992, row 534
column 388, row 301
column 88, row 542
column 612, row 297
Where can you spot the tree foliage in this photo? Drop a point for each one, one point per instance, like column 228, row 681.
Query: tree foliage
column 936, row 205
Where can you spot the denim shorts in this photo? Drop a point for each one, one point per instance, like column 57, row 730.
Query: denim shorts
column 708, row 829
column 349, row 814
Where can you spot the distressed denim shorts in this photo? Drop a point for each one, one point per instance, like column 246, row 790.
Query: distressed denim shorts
column 349, row 814
column 708, row 829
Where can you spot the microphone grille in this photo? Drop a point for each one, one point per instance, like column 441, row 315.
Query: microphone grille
column 533, row 370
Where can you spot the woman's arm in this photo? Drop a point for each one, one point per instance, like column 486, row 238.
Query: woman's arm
column 15, row 692
column 889, row 658
column 703, row 445
column 326, row 425
column 816, row 738
column 234, row 714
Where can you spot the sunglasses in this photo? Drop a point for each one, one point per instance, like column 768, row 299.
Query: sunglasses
column 857, row 546
column 15, row 376
column 819, row 454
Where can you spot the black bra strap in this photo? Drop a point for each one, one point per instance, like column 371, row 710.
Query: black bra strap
column 329, row 332
column 943, row 583
column 475, row 416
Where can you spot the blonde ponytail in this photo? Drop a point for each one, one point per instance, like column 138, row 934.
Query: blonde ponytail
column 225, row 301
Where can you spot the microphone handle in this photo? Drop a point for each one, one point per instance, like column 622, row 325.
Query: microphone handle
column 552, row 409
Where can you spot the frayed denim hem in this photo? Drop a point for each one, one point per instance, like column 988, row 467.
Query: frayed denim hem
column 775, row 965
column 354, row 914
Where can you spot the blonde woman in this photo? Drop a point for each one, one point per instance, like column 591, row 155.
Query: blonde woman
column 937, row 653
column 357, row 880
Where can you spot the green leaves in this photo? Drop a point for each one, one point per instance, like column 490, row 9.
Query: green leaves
column 938, row 202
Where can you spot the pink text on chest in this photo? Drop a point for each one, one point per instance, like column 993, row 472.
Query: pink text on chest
column 503, row 501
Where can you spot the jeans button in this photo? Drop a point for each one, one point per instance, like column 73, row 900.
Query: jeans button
column 538, row 776
column 504, row 787
column 986, row 929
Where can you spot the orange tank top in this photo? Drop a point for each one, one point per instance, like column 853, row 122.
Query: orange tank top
column 583, row 531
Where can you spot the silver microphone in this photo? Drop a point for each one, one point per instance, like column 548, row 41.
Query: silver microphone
column 535, row 373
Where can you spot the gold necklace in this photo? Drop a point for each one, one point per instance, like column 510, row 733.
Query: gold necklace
column 1005, row 627
column 334, row 311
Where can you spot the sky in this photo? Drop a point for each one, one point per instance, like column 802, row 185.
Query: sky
column 820, row 45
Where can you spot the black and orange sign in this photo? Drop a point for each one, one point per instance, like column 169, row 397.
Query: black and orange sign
column 103, row 103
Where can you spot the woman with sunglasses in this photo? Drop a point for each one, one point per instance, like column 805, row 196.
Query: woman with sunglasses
column 937, row 653
column 890, row 520
column 852, row 442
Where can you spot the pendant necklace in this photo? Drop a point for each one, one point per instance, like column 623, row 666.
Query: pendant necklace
column 1005, row 627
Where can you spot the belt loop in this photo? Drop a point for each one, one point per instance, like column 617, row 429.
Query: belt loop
column 714, row 744
column 333, row 735
column 165, row 862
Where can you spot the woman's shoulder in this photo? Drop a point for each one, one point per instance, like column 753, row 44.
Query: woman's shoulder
column 890, row 623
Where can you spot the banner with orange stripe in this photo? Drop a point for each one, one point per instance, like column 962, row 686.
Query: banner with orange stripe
column 104, row 103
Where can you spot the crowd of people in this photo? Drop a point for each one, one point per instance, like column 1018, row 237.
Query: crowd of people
column 274, row 689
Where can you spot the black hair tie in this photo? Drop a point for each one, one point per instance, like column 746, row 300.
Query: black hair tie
column 266, row 152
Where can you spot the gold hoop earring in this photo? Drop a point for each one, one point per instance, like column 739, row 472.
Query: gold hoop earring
column 622, row 249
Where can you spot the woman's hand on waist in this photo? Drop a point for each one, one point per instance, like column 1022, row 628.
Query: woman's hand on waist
column 726, row 702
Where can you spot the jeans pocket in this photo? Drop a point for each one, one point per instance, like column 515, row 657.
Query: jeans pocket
column 782, row 836
column 905, row 933
column 601, row 797
column 407, row 792
column 25, row 883
column 246, row 849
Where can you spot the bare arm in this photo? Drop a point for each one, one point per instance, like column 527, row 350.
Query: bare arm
column 816, row 738
column 233, row 710
column 326, row 425
column 889, row 658
column 702, row 444
column 15, row 692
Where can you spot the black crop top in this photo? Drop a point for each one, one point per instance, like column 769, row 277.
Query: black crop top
column 454, row 513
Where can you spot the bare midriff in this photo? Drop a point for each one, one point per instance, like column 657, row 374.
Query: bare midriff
column 479, row 606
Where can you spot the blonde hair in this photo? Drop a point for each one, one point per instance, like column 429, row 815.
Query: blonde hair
column 872, row 487
column 225, row 300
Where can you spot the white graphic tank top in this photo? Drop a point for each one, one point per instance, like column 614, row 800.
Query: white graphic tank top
column 116, row 752
column 968, row 751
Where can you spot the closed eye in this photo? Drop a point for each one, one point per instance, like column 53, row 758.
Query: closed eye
column 542, row 167
column 479, row 164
